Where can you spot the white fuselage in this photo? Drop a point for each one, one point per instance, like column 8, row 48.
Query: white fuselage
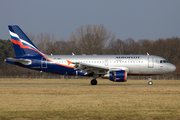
column 133, row 64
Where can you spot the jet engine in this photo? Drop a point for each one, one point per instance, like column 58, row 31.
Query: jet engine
column 118, row 76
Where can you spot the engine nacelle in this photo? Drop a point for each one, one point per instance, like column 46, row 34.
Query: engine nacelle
column 118, row 76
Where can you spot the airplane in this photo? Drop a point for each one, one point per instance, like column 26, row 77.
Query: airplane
column 116, row 68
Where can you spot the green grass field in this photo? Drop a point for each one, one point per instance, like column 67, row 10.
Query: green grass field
column 108, row 100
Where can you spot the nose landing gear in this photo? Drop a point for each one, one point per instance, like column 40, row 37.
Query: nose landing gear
column 150, row 80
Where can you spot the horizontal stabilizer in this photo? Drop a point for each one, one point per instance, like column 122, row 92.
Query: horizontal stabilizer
column 20, row 60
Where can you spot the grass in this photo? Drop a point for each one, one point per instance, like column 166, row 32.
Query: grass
column 107, row 100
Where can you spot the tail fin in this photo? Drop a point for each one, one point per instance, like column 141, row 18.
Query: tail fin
column 21, row 43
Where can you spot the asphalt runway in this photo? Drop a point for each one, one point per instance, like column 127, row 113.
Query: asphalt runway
column 34, row 85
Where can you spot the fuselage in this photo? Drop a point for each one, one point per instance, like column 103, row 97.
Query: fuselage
column 133, row 64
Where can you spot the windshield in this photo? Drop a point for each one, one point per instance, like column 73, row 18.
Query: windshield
column 164, row 61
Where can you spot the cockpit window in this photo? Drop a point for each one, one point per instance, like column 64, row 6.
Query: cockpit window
column 164, row 61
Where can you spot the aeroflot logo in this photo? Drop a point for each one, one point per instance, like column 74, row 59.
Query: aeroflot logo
column 118, row 57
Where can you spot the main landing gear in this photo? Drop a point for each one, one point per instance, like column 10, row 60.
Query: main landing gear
column 93, row 82
column 150, row 80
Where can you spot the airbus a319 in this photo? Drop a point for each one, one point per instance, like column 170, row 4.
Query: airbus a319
column 116, row 68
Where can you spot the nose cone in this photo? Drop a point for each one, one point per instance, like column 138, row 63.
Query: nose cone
column 173, row 68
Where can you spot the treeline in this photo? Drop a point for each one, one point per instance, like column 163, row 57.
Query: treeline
column 92, row 40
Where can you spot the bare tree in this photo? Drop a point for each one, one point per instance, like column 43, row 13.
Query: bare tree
column 31, row 36
column 61, row 47
column 91, row 39
column 116, row 47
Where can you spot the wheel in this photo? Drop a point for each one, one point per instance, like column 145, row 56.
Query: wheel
column 150, row 82
column 93, row 82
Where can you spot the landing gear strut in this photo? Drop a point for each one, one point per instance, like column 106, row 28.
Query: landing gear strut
column 150, row 80
column 93, row 82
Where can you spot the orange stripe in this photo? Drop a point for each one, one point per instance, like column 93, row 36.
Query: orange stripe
column 69, row 62
column 125, row 76
column 65, row 65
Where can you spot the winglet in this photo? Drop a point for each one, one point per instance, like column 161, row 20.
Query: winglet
column 69, row 62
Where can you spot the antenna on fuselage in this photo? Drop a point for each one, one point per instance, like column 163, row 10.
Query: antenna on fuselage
column 72, row 53
column 147, row 53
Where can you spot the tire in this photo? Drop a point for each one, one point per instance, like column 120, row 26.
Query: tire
column 93, row 82
column 150, row 82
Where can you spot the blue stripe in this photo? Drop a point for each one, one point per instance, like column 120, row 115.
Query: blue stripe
column 15, row 38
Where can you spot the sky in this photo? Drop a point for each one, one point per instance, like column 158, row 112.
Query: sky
column 136, row 19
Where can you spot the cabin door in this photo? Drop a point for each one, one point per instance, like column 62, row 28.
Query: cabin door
column 106, row 62
column 150, row 62
column 43, row 63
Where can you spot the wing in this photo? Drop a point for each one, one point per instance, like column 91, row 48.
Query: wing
column 88, row 68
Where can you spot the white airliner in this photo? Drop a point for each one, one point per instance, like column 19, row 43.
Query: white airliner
column 114, row 67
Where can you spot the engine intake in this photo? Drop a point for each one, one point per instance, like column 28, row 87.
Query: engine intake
column 118, row 76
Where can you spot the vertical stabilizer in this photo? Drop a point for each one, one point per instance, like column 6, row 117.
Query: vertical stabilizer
column 21, row 43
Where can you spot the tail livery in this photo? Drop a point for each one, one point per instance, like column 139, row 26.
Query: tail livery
column 21, row 43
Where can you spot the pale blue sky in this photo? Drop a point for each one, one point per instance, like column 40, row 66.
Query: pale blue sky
column 137, row 19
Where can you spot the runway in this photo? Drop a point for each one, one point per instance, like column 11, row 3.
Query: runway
column 36, row 85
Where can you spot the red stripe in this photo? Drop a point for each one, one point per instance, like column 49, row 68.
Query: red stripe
column 27, row 47
column 16, row 42
column 24, row 46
